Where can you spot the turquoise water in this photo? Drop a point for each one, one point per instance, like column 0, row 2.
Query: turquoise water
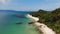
column 8, row 24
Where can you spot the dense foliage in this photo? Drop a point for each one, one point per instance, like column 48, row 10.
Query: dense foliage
column 50, row 18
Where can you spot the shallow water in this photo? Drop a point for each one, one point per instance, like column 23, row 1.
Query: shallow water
column 8, row 24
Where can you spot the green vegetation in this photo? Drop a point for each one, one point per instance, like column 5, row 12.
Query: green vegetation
column 50, row 18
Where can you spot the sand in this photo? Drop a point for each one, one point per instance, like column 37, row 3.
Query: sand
column 42, row 27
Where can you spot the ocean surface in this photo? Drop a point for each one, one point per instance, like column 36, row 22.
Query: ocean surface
column 15, row 22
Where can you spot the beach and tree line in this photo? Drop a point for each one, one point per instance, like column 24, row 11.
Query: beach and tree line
column 50, row 18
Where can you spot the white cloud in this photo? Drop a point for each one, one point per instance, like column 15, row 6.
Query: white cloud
column 4, row 1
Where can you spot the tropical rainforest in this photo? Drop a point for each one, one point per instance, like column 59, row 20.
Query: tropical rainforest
column 50, row 18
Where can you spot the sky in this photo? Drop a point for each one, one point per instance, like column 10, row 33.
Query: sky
column 29, row 5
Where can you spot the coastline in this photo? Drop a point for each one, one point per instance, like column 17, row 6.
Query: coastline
column 42, row 27
column 34, row 18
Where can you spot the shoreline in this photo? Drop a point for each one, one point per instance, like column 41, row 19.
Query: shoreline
column 42, row 27
column 34, row 18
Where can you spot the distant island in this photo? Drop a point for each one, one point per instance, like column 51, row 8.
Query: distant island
column 50, row 18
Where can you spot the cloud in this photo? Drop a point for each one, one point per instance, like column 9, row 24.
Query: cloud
column 3, row 1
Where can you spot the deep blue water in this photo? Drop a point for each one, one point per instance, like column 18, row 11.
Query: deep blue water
column 8, row 20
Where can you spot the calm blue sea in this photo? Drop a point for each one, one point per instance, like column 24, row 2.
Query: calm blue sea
column 9, row 20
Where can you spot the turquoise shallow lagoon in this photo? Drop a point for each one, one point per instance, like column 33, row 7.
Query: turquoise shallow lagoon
column 8, row 24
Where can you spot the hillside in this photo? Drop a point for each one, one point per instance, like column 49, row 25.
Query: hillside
column 50, row 18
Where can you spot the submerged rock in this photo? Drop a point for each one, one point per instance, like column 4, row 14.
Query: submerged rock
column 19, row 16
column 30, row 22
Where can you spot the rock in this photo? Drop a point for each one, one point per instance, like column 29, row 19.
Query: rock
column 38, row 21
column 19, row 16
column 31, row 23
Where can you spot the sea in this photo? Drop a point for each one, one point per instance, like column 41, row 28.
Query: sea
column 16, row 22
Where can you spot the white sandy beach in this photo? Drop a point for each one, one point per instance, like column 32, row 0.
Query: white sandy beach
column 42, row 27
column 35, row 18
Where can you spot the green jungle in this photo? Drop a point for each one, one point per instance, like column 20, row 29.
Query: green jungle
column 50, row 18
